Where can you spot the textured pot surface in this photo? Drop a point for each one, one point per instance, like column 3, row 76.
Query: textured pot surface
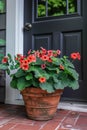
column 40, row 105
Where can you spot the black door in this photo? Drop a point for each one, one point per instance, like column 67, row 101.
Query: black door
column 60, row 25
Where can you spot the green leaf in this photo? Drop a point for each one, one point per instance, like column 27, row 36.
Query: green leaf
column 32, row 68
column 3, row 67
column 20, row 73
column 56, row 61
column 68, row 63
column 59, row 85
column 55, row 79
column 13, row 83
column 21, row 84
column 46, row 75
column 9, row 55
column 52, row 68
column 74, row 84
column 29, row 76
column 38, row 73
column 16, row 66
column 35, row 83
column 47, row 86
column 39, row 61
column 73, row 73
column 8, row 71
column 12, row 67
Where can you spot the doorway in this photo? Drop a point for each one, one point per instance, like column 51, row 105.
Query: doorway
column 59, row 25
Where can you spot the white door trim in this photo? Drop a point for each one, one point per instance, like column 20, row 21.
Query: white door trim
column 14, row 39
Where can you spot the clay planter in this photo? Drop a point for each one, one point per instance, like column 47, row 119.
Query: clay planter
column 39, row 104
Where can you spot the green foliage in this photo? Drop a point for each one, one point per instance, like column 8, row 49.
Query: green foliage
column 35, row 70
column 2, row 6
column 2, row 42
column 56, row 7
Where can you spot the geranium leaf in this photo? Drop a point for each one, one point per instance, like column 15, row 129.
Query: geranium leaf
column 73, row 73
column 13, row 83
column 20, row 73
column 56, row 61
column 22, row 83
column 47, row 86
column 74, row 85
column 16, row 66
column 8, row 71
column 35, row 83
column 29, row 76
column 68, row 63
column 59, row 85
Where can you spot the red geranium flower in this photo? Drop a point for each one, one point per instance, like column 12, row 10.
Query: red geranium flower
column 49, row 59
column 78, row 56
column 58, row 52
column 24, row 66
column 44, row 57
column 50, row 53
column 42, row 79
column 43, row 66
column 31, row 58
column 75, row 56
column 5, row 60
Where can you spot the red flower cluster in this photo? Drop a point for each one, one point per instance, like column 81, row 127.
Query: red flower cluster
column 44, row 55
column 25, row 61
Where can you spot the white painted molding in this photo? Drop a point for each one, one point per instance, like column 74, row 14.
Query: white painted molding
column 19, row 26
column 14, row 39
column 73, row 106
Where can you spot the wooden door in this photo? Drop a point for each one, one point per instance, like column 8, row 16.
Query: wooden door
column 60, row 25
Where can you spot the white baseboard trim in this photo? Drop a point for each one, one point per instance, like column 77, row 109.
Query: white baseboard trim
column 15, row 102
column 80, row 107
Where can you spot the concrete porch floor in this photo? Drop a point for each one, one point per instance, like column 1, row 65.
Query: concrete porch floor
column 13, row 117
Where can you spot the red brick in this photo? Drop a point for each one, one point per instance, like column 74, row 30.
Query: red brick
column 13, row 117
column 82, row 120
column 7, row 126
column 26, row 127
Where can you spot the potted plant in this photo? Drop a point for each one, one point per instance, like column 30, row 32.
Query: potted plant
column 41, row 74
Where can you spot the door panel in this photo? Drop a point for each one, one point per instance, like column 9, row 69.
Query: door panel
column 61, row 31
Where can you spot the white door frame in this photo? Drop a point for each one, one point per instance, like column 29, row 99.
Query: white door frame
column 14, row 41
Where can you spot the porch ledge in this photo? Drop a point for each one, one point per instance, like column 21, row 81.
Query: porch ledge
column 81, row 107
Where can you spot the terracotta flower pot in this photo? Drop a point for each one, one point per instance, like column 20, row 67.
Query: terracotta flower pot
column 40, row 105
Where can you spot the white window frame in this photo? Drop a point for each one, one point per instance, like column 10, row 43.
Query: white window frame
column 14, row 41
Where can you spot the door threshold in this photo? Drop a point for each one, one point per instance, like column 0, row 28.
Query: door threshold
column 81, row 107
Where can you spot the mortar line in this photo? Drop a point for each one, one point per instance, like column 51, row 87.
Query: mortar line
column 62, row 121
